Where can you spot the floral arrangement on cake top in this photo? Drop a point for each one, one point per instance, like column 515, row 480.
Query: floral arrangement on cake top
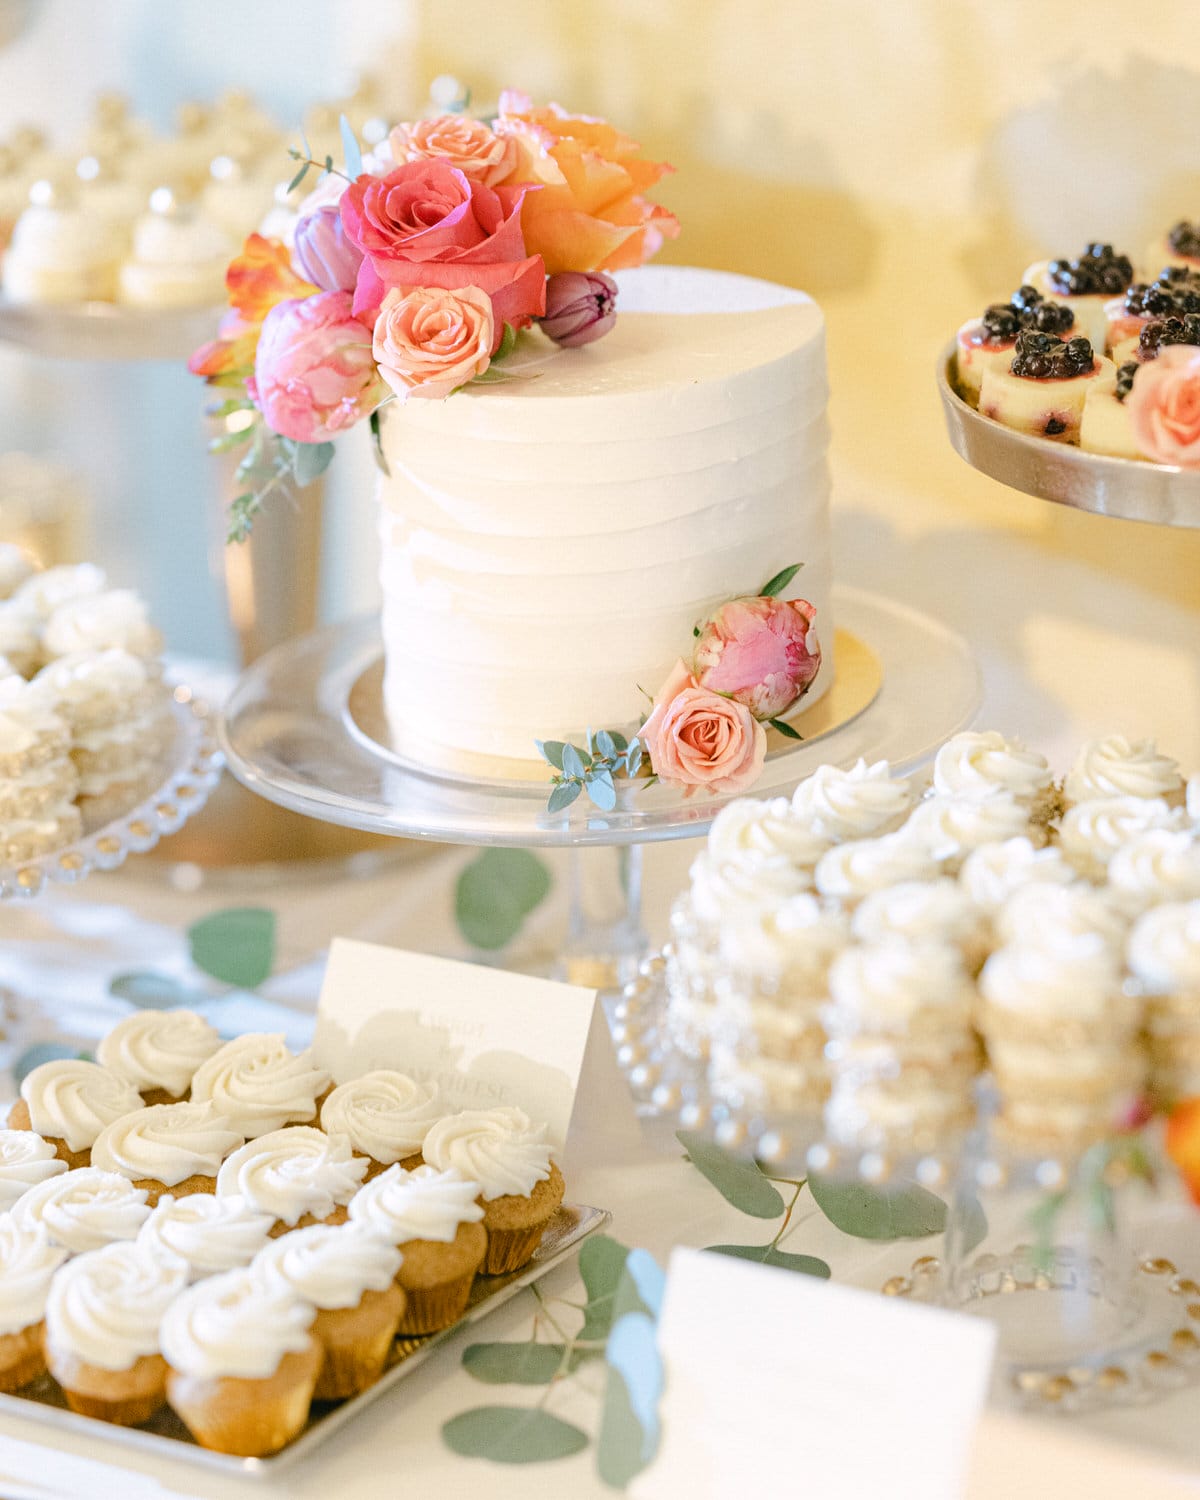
column 413, row 272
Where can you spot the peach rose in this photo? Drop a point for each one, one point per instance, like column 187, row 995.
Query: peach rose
column 468, row 144
column 429, row 341
column 696, row 738
column 1164, row 407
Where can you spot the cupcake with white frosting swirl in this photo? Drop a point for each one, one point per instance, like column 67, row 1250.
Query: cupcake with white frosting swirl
column 158, row 1051
column 242, row 1363
column 924, row 911
column 209, row 1234
column 1117, row 767
column 1160, row 865
column 850, row 872
column 1163, row 955
column 859, row 803
column 1060, row 916
column 85, row 1209
column 168, row 1146
column 435, row 1220
column 260, row 1086
column 386, row 1116
column 28, row 1261
column 1092, row 831
column 299, row 1175
column 521, row 1187
column 69, row 1102
column 952, row 828
column 347, row 1272
column 991, row 873
column 977, row 763
column 102, row 1332
column 25, row 1161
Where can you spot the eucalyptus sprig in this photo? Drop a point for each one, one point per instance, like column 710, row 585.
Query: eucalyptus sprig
column 351, row 150
column 271, row 463
column 591, row 767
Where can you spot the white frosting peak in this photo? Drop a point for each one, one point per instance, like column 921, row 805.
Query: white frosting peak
column 73, row 1100
column 329, row 1265
column 919, row 911
column 385, row 1114
column 749, row 830
column 25, row 1161
column 293, row 1172
column 501, row 1149
column 1162, row 864
column 85, row 1209
column 113, row 620
column 799, row 937
column 1117, row 767
column 991, row 873
column 852, row 804
column 207, row 1232
column 1057, row 916
column 1164, row 948
column 1092, row 831
column 28, row 1261
column 1076, row 981
column 951, row 827
column 42, row 594
column 158, row 1049
column 167, row 1143
column 881, row 988
column 234, row 1325
column 259, row 1085
column 978, row 764
column 762, row 882
column 105, row 1307
column 421, row 1205
column 857, row 868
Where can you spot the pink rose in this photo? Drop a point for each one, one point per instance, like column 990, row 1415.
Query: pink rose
column 429, row 341
column 314, row 374
column 761, row 652
column 466, row 143
column 427, row 224
column 695, row 738
column 1164, row 407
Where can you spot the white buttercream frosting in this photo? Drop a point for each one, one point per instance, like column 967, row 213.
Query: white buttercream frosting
column 762, row 882
column 167, row 1143
column 25, row 1161
column 78, row 680
column 330, row 1265
column 975, row 764
column 425, row 1204
column 105, row 1307
column 208, row 1233
column 1056, row 916
column 385, row 1114
column 798, row 938
column 293, row 1172
column 42, row 594
column 1092, row 831
column 258, row 1084
column 882, row 987
column 18, row 633
column 860, row 866
column 85, row 1209
column 750, row 830
column 1069, row 981
column 951, row 827
column 116, row 620
column 991, row 873
column 26, row 719
column 234, row 1325
column 28, row 1261
column 919, row 911
column 73, row 1100
column 1160, row 865
column 158, row 1049
column 1164, row 948
column 15, row 568
column 853, row 804
column 501, row 1149
column 1117, row 767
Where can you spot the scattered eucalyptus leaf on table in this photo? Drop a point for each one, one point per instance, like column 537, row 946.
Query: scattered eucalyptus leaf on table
column 903, row 1212
column 236, row 946
column 150, row 990
column 495, row 894
column 738, row 1180
column 601, row 1266
column 513, row 1435
column 771, row 1255
column 524, row 1363
column 629, row 1423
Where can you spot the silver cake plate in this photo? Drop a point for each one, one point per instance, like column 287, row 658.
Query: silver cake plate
column 165, row 1436
column 1128, row 488
column 104, row 330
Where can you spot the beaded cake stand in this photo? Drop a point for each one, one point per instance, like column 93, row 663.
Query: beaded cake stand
column 1157, row 494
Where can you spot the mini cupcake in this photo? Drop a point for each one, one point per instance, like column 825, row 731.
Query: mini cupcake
column 976, row 764
column 158, row 1051
column 41, row 595
column 15, row 567
column 1118, row 767
column 25, row 1161
column 69, row 1102
column 299, row 1175
column 1091, row 832
column 19, row 637
column 435, row 1220
column 951, row 828
column 1161, row 865
column 85, row 1209
column 347, row 1272
column 1059, row 916
column 111, row 620
column 242, row 1363
column 261, row 1086
column 509, row 1157
column 28, row 1262
column 102, row 1332
column 168, row 1148
column 991, row 873
column 208, row 1233
column 920, row 911
column 386, row 1116
column 60, row 253
column 1164, row 957
column 860, row 803
column 179, row 258
column 849, row 872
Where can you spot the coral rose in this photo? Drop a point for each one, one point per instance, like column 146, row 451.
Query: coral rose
column 427, row 224
column 466, row 143
column 696, row 738
column 590, row 214
column 314, row 374
column 1164, row 407
column 429, row 341
column 761, row 652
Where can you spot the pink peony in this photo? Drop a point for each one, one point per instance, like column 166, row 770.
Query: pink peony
column 322, row 254
column 466, row 143
column 427, row 224
column 429, row 341
column 1164, row 407
column 695, row 737
column 581, row 307
column 761, row 652
column 314, row 374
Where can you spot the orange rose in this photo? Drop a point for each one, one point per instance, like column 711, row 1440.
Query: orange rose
column 258, row 278
column 590, row 213
column 1183, row 1144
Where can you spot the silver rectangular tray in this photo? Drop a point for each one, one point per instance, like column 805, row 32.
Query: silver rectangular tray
column 166, row 1436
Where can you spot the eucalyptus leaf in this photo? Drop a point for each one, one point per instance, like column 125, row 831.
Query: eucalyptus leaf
column 785, row 729
column 904, row 1212
column 608, row 747
column 507, row 340
column 298, row 179
column 351, row 150
column 776, row 585
column 620, row 743
column 512, row 1435
column 514, row 1364
column 975, row 1225
column 629, row 1423
column 496, row 892
column 236, row 946
column 601, row 1265
column 737, row 1179
column 602, row 792
column 493, row 376
column 573, row 763
column 228, row 441
column 551, row 750
column 310, row 460
column 150, row 991
column 772, row 1255
column 563, row 795
column 39, row 1053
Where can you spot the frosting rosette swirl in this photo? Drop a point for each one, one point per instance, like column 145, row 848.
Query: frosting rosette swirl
column 234, row 1325
column 1118, row 767
column 880, row 988
column 951, row 827
column 1164, row 948
column 330, row 1265
column 208, row 1233
column 501, row 1149
column 154, row 1049
column 385, row 1114
column 28, row 1261
column 919, row 911
column 72, row 1100
column 991, row 873
column 750, row 830
column 853, row 804
column 424, row 1204
column 105, row 1307
column 1055, row 917
column 293, row 1172
column 860, row 866
column 85, row 1209
column 1094, row 830
column 1076, row 981
column 1162, row 864
column 25, row 1161
column 976, row 764
column 258, row 1084
column 166, row 1143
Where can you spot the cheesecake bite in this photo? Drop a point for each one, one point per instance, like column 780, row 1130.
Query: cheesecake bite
column 1044, row 389
column 1105, row 427
column 1085, row 285
column 989, row 342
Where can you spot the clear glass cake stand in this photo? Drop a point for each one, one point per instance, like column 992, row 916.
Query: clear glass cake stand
column 303, row 728
column 103, row 330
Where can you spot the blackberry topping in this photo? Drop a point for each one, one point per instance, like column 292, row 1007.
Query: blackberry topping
column 1026, row 308
column 1097, row 270
column 1041, row 356
column 1175, row 293
column 1172, row 330
column 1184, row 238
column 1125, row 379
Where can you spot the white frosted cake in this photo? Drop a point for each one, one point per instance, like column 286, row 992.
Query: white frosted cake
column 549, row 542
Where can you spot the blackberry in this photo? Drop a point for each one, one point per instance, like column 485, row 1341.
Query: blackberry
column 1125, row 379
column 1172, row 330
column 1041, row 356
column 1174, row 294
column 1098, row 270
column 1026, row 308
column 1184, row 238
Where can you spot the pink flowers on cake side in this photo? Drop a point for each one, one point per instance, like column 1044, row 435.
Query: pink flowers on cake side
column 696, row 738
column 314, row 372
column 1164, row 407
column 761, row 652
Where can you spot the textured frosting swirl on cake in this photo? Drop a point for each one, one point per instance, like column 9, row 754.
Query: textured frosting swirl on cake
column 85, row 1209
column 259, row 1085
column 234, row 1325
column 1164, row 948
column 501, row 1149
column 72, row 1100
column 425, row 1204
column 883, row 987
column 166, row 1143
column 384, row 1114
column 1091, row 832
column 750, row 829
column 860, row 866
column 951, row 827
column 209, row 1233
column 44, row 592
column 977, row 764
column 854, row 804
column 1080, row 980
column 293, row 1172
column 158, row 1049
column 799, row 937
column 115, row 620
column 330, row 1265
column 25, row 1161
column 105, row 1307
column 717, row 888
column 28, row 1261
column 1055, row 916
column 919, row 911
column 1117, row 767
column 1162, row 864
column 991, row 873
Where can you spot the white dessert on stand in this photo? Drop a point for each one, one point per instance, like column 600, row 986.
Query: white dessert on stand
column 179, row 257
column 1044, row 390
column 59, row 252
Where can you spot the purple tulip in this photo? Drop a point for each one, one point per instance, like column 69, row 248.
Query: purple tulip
column 323, row 254
column 581, row 306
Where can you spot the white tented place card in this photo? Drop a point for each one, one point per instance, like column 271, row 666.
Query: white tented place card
column 780, row 1384
column 488, row 1036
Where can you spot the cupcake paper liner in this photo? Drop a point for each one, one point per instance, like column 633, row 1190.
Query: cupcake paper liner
column 248, row 1418
column 432, row 1308
column 22, row 1358
column 357, row 1341
column 125, row 1397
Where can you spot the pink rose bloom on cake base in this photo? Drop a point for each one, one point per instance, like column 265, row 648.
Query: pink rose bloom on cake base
column 429, row 341
column 696, row 738
column 762, row 652
column 314, row 372
column 1164, row 407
